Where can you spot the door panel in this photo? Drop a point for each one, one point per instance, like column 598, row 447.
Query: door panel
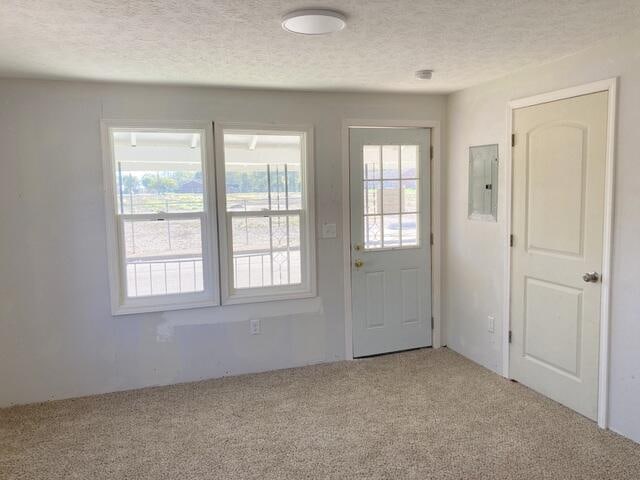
column 391, row 290
column 376, row 289
column 556, row 188
column 558, row 218
column 410, row 299
column 552, row 324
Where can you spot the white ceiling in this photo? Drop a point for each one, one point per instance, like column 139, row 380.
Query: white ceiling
column 240, row 43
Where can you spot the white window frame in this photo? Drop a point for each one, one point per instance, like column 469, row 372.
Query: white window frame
column 307, row 287
column 210, row 296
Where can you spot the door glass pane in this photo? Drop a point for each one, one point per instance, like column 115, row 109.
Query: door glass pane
column 391, row 231
column 410, row 230
column 163, row 257
column 409, row 161
column 158, row 172
column 391, row 196
column 372, row 197
column 371, row 162
column 410, row 196
column 391, row 161
column 372, row 232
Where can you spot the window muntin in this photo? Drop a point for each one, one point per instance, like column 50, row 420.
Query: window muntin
column 161, row 219
column 391, row 187
column 266, row 213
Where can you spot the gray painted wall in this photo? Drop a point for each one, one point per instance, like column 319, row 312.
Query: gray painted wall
column 474, row 256
column 57, row 336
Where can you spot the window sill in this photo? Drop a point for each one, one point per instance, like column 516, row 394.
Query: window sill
column 253, row 297
column 133, row 308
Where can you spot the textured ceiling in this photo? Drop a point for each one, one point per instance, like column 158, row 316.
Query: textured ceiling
column 240, row 43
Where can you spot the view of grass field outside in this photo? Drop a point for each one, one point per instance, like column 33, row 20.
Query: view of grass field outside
column 391, row 196
column 263, row 184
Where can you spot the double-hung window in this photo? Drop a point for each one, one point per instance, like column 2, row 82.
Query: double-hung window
column 265, row 192
column 168, row 246
column 159, row 216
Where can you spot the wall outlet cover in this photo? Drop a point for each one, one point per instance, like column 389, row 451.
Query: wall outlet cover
column 254, row 326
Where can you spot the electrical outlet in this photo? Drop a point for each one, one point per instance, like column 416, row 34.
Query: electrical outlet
column 254, row 326
column 492, row 324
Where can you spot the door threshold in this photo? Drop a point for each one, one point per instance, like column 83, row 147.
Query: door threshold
column 392, row 353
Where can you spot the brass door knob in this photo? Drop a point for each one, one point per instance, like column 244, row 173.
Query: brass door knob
column 358, row 263
column 591, row 277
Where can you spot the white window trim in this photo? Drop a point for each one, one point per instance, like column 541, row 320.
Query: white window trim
column 308, row 286
column 120, row 304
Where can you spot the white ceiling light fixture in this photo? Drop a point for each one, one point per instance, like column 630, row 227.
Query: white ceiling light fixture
column 424, row 74
column 314, row 22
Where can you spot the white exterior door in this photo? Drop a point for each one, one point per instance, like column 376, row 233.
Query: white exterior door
column 558, row 218
column 390, row 234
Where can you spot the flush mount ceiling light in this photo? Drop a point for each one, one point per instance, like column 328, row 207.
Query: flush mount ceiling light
column 314, row 22
column 424, row 74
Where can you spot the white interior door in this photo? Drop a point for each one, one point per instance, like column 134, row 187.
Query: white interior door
column 558, row 217
column 390, row 234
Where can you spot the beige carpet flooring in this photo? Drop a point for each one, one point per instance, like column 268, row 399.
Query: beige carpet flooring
column 422, row 414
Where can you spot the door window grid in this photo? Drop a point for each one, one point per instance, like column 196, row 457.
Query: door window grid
column 391, row 196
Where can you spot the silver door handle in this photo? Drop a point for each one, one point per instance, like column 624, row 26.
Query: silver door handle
column 591, row 277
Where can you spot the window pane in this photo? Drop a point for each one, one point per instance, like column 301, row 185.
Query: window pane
column 392, row 229
column 264, row 191
column 158, row 172
column 372, row 197
column 409, row 195
column 391, row 196
column 266, row 251
column 409, row 230
column 391, row 161
column 409, row 161
column 373, row 232
column 263, row 171
column 163, row 257
column 371, row 162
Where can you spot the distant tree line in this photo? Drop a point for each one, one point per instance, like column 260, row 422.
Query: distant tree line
column 188, row 182
column 249, row 182
column 161, row 182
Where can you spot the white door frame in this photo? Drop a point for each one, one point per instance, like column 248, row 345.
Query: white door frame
column 608, row 85
column 436, row 215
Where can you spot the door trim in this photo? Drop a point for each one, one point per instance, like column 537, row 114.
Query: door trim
column 436, row 216
column 610, row 86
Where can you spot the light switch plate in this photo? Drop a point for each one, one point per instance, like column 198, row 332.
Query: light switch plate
column 329, row 230
column 492, row 323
